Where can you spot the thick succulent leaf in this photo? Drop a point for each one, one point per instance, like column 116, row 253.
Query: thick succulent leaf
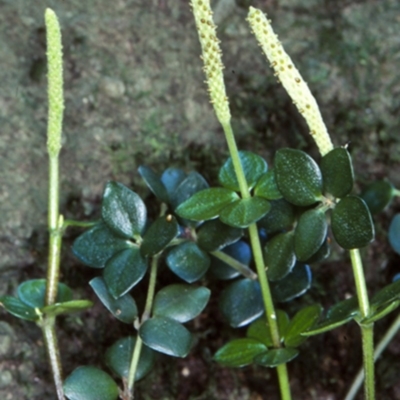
column 123, row 308
column 298, row 177
column 97, row 245
column 304, row 320
column 171, row 178
column 192, row 184
column 378, row 195
column 33, row 293
column 90, row 383
column 159, row 235
column 321, row 254
column 267, row 187
column 67, row 307
column 123, row 210
column 253, row 167
column 275, row 357
column 239, row 353
column 260, row 330
column 166, row 336
column 310, row 233
column 293, row 285
column 180, row 302
column 206, row 204
column 338, row 315
column 118, row 358
column 280, row 218
column 386, row 295
column 154, row 183
column 188, row 261
column 337, row 172
column 215, row 235
column 245, row 212
column 241, row 302
column 351, row 223
column 394, row 233
column 279, row 256
column 124, row 271
column 19, row 309
column 240, row 251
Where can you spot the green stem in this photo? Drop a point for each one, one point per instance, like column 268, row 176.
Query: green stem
column 79, row 224
column 145, row 316
column 366, row 330
column 232, row 262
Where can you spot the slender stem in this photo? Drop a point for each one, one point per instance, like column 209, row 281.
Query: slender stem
column 383, row 343
column 232, row 262
column 80, row 224
column 361, row 286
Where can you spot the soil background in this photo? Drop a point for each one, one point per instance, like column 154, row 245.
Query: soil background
column 135, row 95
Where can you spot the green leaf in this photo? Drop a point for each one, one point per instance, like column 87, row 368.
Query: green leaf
column 180, row 302
column 159, row 235
column 351, row 223
column 321, row 254
column 293, row 285
column 379, row 313
column 33, row 293
column 215, row 235
column 206, row 204
column 337, row 172
column 279, row 256
column 280, row 218
column 240, row 251
column 118, row 358
column 386, row 295
column 123, row 210
column 97, row 245
column 188, row 261
column 275, row 357
column 310, row 233
column 253, row 167
column 394, row 233
column 124, row 271
column 239, row 353
column 90, row 383
column 241, row 302
column 260, row 330
column 378, row 195
column 298, row 177
column 192, row 184
column 154, row 183
column 166, row 336
column 67, row 307
column 267, row 187
column 245, row 212
column 124, row 308
column 171, row 178
column 19, row 309
column 301, row 322
column 338, row 315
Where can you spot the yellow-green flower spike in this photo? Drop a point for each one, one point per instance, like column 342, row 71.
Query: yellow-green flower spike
column 212, row 58
column 290, row 78
column 55, row 83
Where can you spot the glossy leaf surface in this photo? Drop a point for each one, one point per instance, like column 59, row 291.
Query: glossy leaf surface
column 337, row 172
column 118, row 358
column 279, row 218
column 19, row 309
column 180, row 302
column 377, row 196
column 351, row 223
column 298, row 177
column 381, row 312
column 192, row 184
column 293, row 285
column 90, row 383
column 267, row 187
column 171, row 178
column 245, row 212
column 241, row 302
column 166, row 336
column 386, row 295
column 253, row 167
column 310, row 233
column 239, row 353
column 159, row 235
column 154, row 183
column 123, row 210
column 188, row 261
column 97, row 245
column 123, row 308
column 394, row 233
column 275, row 357
column 124, row 271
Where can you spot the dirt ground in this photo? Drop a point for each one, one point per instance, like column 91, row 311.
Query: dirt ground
column 135, row 95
